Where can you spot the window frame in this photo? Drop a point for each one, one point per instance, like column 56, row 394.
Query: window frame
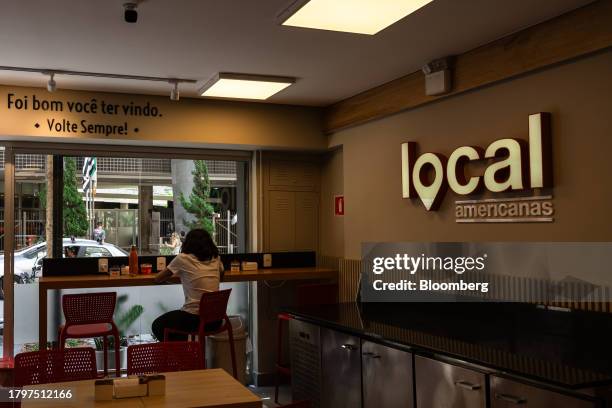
column 94, row 148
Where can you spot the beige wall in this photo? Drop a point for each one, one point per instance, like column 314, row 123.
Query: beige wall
column 185, row 122
column 331, row 240
column 579, row 96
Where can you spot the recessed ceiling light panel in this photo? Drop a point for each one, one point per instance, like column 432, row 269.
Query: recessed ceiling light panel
column 353, row 16
column 244, row 86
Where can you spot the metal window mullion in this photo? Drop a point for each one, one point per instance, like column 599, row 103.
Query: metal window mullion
column 9, row 246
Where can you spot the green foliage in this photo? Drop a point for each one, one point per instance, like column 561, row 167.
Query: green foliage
column 198, row 204
column 74, row 212
column 124, row 320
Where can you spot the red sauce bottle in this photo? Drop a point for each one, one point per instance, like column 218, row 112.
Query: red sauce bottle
column 133, row 261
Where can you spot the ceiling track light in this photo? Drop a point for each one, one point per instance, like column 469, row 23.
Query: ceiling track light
column 174, row 91
column 52, row 86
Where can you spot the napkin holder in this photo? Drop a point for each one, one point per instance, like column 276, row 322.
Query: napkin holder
column 129, row 387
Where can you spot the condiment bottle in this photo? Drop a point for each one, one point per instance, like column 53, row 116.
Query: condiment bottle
column 133, row 261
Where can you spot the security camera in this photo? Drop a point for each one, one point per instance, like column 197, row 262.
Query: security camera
column 130, row 14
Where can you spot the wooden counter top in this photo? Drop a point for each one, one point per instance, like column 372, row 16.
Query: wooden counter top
column 281, row 274
column 104, row 280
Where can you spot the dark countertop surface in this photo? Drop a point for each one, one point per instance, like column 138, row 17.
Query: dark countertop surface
column 568, row 349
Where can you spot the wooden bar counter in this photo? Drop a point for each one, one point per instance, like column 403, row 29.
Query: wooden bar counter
column 46, row 283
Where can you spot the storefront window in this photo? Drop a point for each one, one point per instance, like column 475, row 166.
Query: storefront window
column 110, row 204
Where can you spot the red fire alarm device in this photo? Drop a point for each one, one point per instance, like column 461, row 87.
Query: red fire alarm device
column 339, row 205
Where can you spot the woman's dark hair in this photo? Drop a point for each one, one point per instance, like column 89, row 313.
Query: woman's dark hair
column 199, row 243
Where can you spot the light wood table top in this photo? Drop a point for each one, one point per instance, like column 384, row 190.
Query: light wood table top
column 212, row 388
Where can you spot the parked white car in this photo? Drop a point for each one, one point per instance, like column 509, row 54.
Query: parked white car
column 28, row 261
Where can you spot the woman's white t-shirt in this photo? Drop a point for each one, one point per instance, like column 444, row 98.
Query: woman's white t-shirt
column 196, row 277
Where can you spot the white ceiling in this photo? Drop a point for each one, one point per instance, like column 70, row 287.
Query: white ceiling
column 198, row 38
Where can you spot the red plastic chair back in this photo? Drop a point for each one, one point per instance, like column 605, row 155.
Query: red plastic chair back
column 317, row 294
column 164, row 357
column 89, row 308
column 213, row 306
column 50, row 366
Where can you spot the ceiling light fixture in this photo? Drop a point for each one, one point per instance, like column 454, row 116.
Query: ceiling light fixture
column 51, row 84
column 353, row 16
column 244, row 86
column 174, row 92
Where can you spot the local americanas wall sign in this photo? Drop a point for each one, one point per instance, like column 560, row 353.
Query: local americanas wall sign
column 515, row 165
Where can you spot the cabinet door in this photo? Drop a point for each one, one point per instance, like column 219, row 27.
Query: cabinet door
column 282, row 173
column 341, row 370
column 443, row 385
column 305, row 362
column 281, row 216
column 306, row 221
column 307, row 175
column 509, row 394
column 387, row 377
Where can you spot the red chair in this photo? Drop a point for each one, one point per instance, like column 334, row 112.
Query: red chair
column 91, row 315
column 213, row 309
column 164, row 357
column 306, row 295
column 50, row 366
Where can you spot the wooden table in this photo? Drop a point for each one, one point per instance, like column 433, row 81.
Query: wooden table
column 199, row 388
column 105, row 281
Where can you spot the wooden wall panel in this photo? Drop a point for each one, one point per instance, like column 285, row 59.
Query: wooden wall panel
column 574, row 34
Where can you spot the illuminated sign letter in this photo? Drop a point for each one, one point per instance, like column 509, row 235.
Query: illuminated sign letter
column 408, row 152
column 430, row 192
column 494, row 177
column 455, row 173
column 540, row 151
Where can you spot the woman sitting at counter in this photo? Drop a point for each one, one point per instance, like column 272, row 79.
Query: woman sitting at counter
column 199, row 268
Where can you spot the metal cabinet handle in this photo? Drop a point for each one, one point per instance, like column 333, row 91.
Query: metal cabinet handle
column 467, row 385
column 349, row 347
column 371, row 355
column 511, row 398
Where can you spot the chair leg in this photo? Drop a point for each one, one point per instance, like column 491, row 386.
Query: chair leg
column 276, row 386
column 117, row 354
column 279, row 355
column 61, row 341
column 55, row 346
column 105, row 347
column 230, row 334
column 202, row 340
